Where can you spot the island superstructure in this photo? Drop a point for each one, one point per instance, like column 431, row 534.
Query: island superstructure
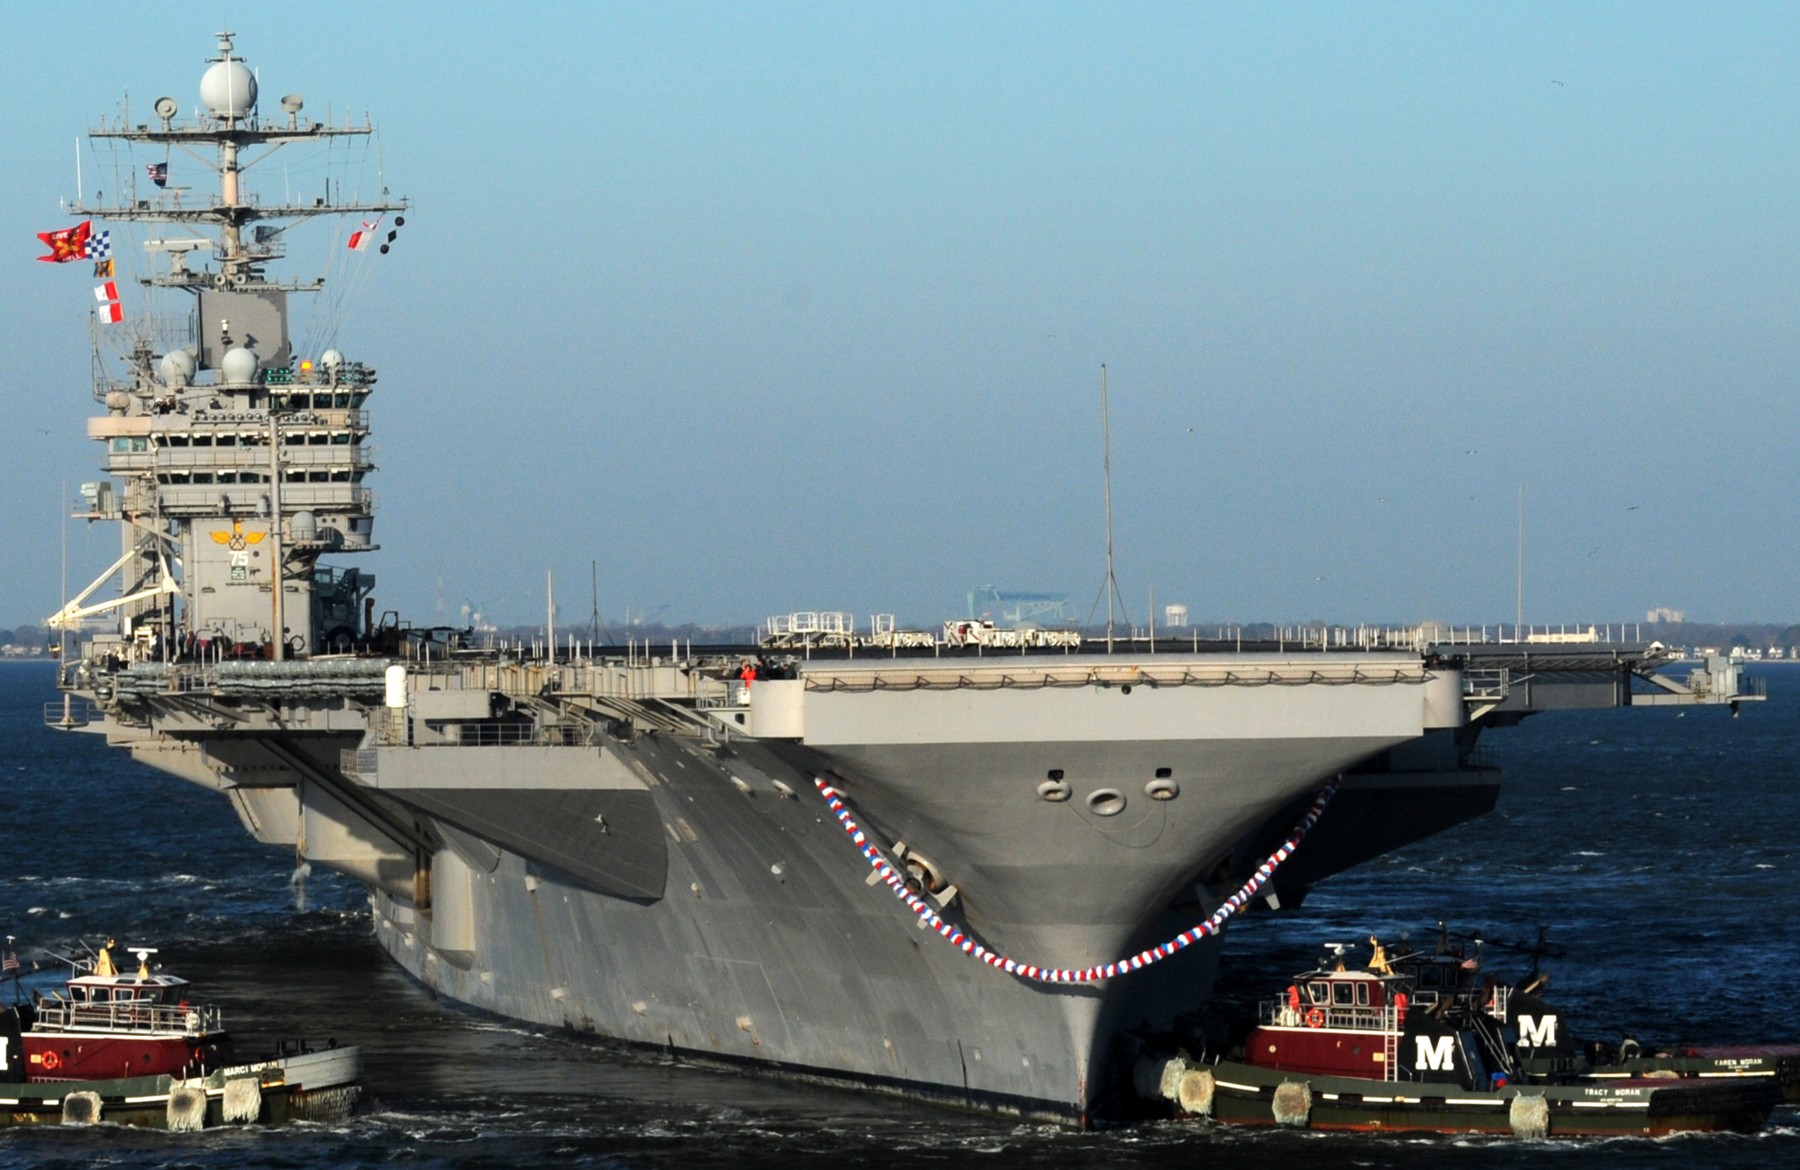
column 671, row 845
column 246, row 477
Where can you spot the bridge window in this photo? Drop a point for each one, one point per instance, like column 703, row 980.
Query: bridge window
column 1343, row 994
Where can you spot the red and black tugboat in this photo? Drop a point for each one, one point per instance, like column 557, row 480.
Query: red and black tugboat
column 1546, row 1047
column 135, row 1049
column 1428, row 1042
column 1778, row 1063
column 104, row 1025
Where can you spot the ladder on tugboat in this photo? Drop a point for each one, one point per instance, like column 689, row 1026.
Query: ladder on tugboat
column 1390, row 1043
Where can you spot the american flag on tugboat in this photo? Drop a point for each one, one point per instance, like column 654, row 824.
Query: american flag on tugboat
column 10, row 963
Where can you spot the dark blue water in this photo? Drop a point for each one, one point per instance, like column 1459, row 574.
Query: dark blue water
column 1660, row 848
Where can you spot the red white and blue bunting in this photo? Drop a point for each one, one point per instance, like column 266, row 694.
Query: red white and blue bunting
column 968, row 946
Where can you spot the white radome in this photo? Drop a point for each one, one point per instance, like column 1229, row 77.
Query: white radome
column 238, row 366
column 228, row 89
column 177, row 367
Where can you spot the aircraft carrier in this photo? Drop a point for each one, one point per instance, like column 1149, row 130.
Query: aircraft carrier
column 969, row 865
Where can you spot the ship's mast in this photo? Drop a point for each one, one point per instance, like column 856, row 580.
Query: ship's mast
column 1109, row 587
column 231, row 127
column 242, row 462
column 1112, row 583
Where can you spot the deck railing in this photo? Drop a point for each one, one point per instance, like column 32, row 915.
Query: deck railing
column 63, row 1015
column 1277, row 1014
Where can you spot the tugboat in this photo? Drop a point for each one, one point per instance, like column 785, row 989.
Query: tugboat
column 132, row 1049
column 106, row 1026
column 1779, row 1063
column 1428, row 1043
column 1546, row 1048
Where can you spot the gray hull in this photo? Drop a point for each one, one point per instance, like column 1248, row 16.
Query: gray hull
column 697, row 895
column 636, row 850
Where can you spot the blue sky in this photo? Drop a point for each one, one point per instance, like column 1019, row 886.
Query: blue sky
column 803, row 306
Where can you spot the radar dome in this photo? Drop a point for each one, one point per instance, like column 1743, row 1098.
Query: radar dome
column 176, row 367
column 331, row 359
column 238, row 365
column 228, row 89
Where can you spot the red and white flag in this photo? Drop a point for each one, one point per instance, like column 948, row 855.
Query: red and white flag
column 359, row 240
column 110, row 310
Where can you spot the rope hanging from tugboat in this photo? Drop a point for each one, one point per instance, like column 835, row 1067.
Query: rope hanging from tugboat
column 1137, row 962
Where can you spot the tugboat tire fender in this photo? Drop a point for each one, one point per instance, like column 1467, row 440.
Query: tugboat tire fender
column 1292, row 1105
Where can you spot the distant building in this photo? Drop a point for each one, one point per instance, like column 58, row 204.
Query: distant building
column 1663, row 613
